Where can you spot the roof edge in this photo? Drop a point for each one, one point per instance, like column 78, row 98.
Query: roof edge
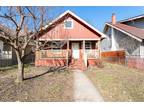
column 70, row 12
column 132, row 18
column 125, row 32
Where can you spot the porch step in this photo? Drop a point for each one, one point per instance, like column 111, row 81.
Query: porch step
column 77, row 64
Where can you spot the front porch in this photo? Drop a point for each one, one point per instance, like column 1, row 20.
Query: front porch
column 83, row 52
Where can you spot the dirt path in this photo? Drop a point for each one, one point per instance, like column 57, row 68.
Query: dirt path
column 84, row 90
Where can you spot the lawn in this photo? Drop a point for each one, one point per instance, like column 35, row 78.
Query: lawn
column 39, row 86
column 117, row 82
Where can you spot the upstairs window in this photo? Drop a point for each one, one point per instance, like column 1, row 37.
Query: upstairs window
column 68, row 24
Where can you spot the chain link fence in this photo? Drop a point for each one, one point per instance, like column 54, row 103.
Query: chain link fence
column 135, row 61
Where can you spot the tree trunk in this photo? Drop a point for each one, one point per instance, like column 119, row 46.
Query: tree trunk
column 20, row 74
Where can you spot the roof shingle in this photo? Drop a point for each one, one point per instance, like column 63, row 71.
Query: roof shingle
column 137, row 32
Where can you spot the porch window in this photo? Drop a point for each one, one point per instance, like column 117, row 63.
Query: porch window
column 56, row 47
column 68, row 24
column 88, row 45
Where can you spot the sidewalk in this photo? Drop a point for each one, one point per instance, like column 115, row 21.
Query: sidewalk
column 84, row 90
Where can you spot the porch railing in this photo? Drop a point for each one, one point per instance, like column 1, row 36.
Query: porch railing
column 92, row 53
column 52, row 54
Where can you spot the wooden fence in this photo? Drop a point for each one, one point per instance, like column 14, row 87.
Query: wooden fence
column 120, row 57
column 114, row 56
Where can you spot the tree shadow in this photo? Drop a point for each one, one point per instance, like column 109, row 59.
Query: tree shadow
column 50, row 70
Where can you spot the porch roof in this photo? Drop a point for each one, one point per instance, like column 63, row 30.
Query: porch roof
column 76, row 38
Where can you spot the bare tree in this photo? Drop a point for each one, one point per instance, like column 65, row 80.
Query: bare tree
column 20, row 27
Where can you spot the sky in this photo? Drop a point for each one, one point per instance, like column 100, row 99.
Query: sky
column 98, row 15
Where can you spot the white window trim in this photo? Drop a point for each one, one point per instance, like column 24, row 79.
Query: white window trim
column 71, row 24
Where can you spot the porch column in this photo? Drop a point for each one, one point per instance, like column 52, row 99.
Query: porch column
column 84, row 55
column 67, row 55
column 83, row 48
column 98, row 45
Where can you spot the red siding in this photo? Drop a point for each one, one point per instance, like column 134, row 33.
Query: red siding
column 50, row 62
column 78, row 32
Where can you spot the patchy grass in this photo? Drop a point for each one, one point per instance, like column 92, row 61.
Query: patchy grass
column 117, row 82
column 39, row 86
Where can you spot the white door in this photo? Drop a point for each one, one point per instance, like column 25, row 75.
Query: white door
column 75, row 50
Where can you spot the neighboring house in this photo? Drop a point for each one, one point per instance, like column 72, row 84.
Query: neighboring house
column 7, row 54
column 69, row 39
column 5, row 51
column 125, row 35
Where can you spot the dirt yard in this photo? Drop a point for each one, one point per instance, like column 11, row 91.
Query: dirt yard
column 40, row 85
column 117, row 82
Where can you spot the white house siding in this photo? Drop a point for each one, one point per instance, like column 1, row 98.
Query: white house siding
column 123, row 41
column 139, row 23
column 131, row 45
column 106, row 43
column 142, row 50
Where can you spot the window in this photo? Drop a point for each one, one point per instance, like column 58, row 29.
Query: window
column 56, row 47
column 68, row 24
column 88, row 45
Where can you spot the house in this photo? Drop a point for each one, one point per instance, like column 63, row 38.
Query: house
column 7, row 53
column 69, row 40
column 125, row 35
column 7, row 57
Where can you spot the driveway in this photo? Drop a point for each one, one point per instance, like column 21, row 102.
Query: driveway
column 84, row 90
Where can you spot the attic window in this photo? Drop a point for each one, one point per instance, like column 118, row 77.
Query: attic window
column 68, row 24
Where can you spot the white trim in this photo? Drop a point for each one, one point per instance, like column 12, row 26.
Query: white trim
column 72, row 24
column 142, row 51
column 68, row 11
column 67, row 39
column 125, row 32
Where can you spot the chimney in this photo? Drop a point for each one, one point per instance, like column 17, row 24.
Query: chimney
column 113, row 18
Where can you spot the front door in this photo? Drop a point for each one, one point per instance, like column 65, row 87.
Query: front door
column 75, row 50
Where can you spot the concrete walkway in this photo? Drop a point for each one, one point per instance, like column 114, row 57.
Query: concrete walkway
column 84, row 90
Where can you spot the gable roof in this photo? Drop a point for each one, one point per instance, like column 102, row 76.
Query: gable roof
column 68, row 12
column 129, row 30
column 132, row 18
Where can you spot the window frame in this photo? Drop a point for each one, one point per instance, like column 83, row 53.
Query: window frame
column 90, row 47
column 71, row 24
